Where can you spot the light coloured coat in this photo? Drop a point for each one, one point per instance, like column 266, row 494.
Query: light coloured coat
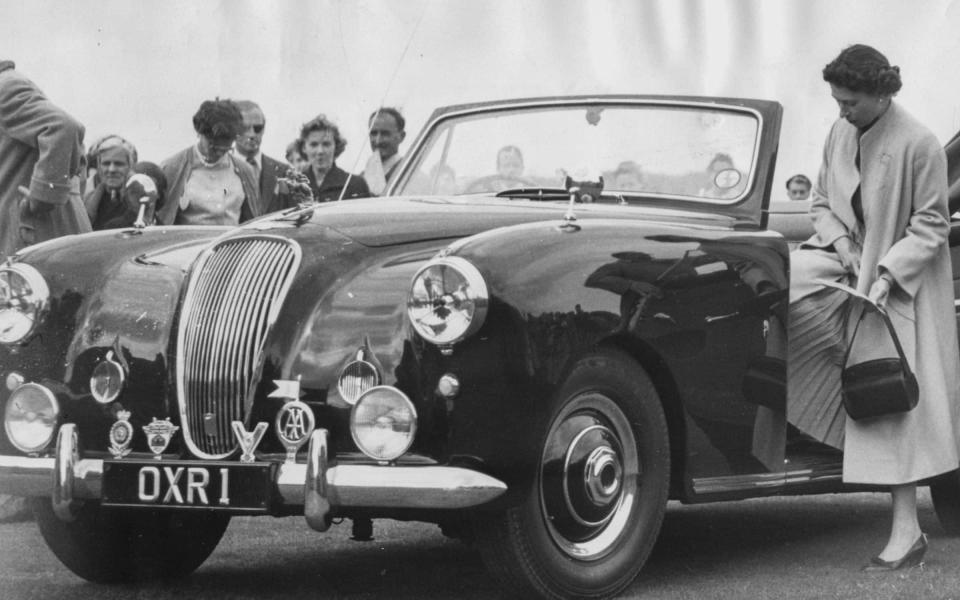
column 41, row 149
column 903, row 179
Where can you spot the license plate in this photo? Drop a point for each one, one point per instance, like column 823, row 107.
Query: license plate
column 237, row 487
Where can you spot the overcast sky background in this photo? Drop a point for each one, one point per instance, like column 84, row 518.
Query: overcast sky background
column 140, row 68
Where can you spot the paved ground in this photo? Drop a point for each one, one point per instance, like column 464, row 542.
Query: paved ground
column 809, row 547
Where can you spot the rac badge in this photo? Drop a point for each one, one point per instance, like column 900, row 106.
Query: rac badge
column 294, row 425
column 248, row 440
column 159, row 434
column 121, row 434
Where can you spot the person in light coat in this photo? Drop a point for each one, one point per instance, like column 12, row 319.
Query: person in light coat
column 41, row 160
column 882, row 225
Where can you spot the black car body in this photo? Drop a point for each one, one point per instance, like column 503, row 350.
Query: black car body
column 566, row 360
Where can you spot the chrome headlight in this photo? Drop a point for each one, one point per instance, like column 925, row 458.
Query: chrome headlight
column 383, row 423
column 24, row 296
column 448, row 300
column 30, row 418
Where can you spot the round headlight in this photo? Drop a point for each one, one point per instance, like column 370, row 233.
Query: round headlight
column 383, row 423
column 23, row 300
column 107, row 379
column 447, row 301
column 30, row 417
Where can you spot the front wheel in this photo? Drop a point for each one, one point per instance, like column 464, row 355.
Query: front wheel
column 945, row 493
column 111, row 546
column 591, row 516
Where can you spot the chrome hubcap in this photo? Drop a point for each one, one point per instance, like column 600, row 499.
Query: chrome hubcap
column 589, row 476
column 602, row 475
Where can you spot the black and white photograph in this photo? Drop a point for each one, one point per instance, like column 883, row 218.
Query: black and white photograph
column 436, row 299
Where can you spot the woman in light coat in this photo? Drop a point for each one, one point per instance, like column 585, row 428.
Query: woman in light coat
column 882, row 224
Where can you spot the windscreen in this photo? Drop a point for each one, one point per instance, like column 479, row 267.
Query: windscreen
column 675, row 150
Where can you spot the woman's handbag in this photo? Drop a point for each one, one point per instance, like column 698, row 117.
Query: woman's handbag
column 878, row 387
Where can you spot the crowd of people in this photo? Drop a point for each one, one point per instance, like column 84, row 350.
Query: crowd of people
column 51, row 185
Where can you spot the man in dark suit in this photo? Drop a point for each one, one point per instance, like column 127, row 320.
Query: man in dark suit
column 248, row 148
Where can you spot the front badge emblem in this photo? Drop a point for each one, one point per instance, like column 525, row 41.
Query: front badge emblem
column 121, row 434
column 248, row 440
column 294, row 425
column 159, row 434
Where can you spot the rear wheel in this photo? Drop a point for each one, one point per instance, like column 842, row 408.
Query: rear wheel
column 591, row 517
column 945, row 492
column 109, row 546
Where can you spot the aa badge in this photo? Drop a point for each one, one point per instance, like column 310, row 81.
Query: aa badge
column 294, row 425
column 248, row 440
column 121, row 434
column 159, row 434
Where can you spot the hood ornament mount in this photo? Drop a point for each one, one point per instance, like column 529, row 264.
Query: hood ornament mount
column 585, row 192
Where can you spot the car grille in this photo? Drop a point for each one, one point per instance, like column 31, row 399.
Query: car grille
column 234, row 295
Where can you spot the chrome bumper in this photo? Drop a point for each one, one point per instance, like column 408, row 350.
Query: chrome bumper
column 320, row 488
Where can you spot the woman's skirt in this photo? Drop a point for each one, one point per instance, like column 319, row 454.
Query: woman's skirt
column 817, row 341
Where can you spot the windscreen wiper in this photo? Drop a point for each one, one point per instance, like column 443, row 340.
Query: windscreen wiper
column 535, row 193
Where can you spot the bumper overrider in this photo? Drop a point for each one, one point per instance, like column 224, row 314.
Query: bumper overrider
column 321, row 488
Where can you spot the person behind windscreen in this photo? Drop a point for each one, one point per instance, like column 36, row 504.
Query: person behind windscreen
column 322, row 143
column 798, row 187
column 386, row 127
column 881, row 225
column 208, row 184
column 41, row 163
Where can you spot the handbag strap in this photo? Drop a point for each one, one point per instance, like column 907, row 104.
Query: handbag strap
column 893, row 335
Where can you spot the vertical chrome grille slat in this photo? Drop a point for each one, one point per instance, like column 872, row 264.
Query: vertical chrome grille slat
column 217, row 281
column 233, row 297
column 212, row 283
column 229, row 376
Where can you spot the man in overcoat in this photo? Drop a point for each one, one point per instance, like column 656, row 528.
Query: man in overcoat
column 41, row 159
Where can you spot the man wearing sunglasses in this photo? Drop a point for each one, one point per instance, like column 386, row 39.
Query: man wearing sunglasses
column 247, row 148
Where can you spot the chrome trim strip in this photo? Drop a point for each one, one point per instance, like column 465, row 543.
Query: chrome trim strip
column 234, row 295
column 736, row 483
column 739, row 483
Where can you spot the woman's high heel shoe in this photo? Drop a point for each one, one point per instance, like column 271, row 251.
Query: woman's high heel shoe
column 912, row 558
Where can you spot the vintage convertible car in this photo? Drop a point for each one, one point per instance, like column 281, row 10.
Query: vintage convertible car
column 537, row 358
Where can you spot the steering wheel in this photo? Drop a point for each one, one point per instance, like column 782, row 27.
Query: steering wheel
column 498, row 183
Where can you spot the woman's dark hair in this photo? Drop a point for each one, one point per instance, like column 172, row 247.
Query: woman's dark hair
column 218, row 120
column 322, row 123
column 861, row 68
